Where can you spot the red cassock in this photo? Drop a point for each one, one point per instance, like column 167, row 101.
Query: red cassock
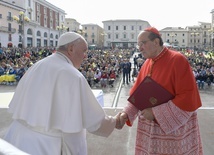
column 175, row 129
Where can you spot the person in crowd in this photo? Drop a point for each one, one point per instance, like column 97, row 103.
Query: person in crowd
column 126, row 71
column 90, row 76
column 97, row 76
column 209, row 77
column 134, row 73
column 129, row 70
column 135, row 61
column 2, row 70
column 112, row 77
column 103, row 79
column 201, row 79
column 172, row 127
column 53, row 104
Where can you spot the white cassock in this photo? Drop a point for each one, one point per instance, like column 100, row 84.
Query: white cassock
column 52, row 108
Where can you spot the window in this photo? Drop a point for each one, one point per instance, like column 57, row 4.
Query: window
column 38, row 19
column 29, row 15
column 124, row 35
column 29, row 31
column 51, row 14
column 38, row 7
column 20, row 38
column 116, row 27
column 45, row 35
column 140, row 27
column 9, row 27
column 0, row 15
column 117, row 36
column 109, row 27
column 92, row 35
column 109, row 36
column 132, row 36
column 29, row 3
column 9, row 17
column 9, row 14
column 9, row 37
column 20, row 29
column 45, row 10
column 132, row 27
column 124, row 27
column 45, row 21
column 38, row 33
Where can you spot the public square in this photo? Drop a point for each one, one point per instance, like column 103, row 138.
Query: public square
column 121, row 142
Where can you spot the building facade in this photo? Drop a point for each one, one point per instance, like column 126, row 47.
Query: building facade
column 122, row 33
column 40, row 30
column 94, row 35
column 8, row 30
column 72, row 24
column 196, row 37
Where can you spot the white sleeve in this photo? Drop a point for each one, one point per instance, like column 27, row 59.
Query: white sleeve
column 105, row 128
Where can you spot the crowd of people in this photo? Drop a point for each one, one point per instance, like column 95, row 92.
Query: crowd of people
column 101, row 68
column 163, row 128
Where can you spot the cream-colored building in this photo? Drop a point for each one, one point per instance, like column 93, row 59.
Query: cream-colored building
column 72, row 24
column 196, row 37
column 8, row 29
column 175, row 36
column 122, row 33
column 94, row 35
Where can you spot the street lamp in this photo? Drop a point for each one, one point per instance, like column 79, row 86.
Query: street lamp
column 194, row 35
column 62, row 29
column 81, row 32
column 21, row 20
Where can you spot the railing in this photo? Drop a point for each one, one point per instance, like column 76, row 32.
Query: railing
column 6, row 29
column 116, row 98
column 9, row 18
column 124, row 39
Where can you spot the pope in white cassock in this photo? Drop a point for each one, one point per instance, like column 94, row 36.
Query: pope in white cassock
column 53, row 105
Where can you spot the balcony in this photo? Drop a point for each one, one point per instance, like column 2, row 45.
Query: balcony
column 92, row 36
column 9, row 18
column 7, row 29
column 124, row 39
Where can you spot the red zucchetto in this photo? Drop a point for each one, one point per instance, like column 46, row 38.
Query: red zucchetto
column 153, row 30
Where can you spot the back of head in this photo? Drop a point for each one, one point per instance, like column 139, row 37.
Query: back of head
column 67, row 38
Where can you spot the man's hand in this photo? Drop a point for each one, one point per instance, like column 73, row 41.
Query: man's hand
column 147, row 114
column 121, row 119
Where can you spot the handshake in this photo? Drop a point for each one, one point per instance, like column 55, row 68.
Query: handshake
column 121, row 119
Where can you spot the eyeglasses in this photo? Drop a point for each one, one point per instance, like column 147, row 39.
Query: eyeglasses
column 141, row 43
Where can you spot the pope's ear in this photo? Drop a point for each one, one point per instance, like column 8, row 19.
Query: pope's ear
column 70, row 48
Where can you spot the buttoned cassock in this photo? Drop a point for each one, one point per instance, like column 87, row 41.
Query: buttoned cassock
column 175, row 130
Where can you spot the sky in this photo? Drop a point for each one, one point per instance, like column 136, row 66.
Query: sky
column 159, row 13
